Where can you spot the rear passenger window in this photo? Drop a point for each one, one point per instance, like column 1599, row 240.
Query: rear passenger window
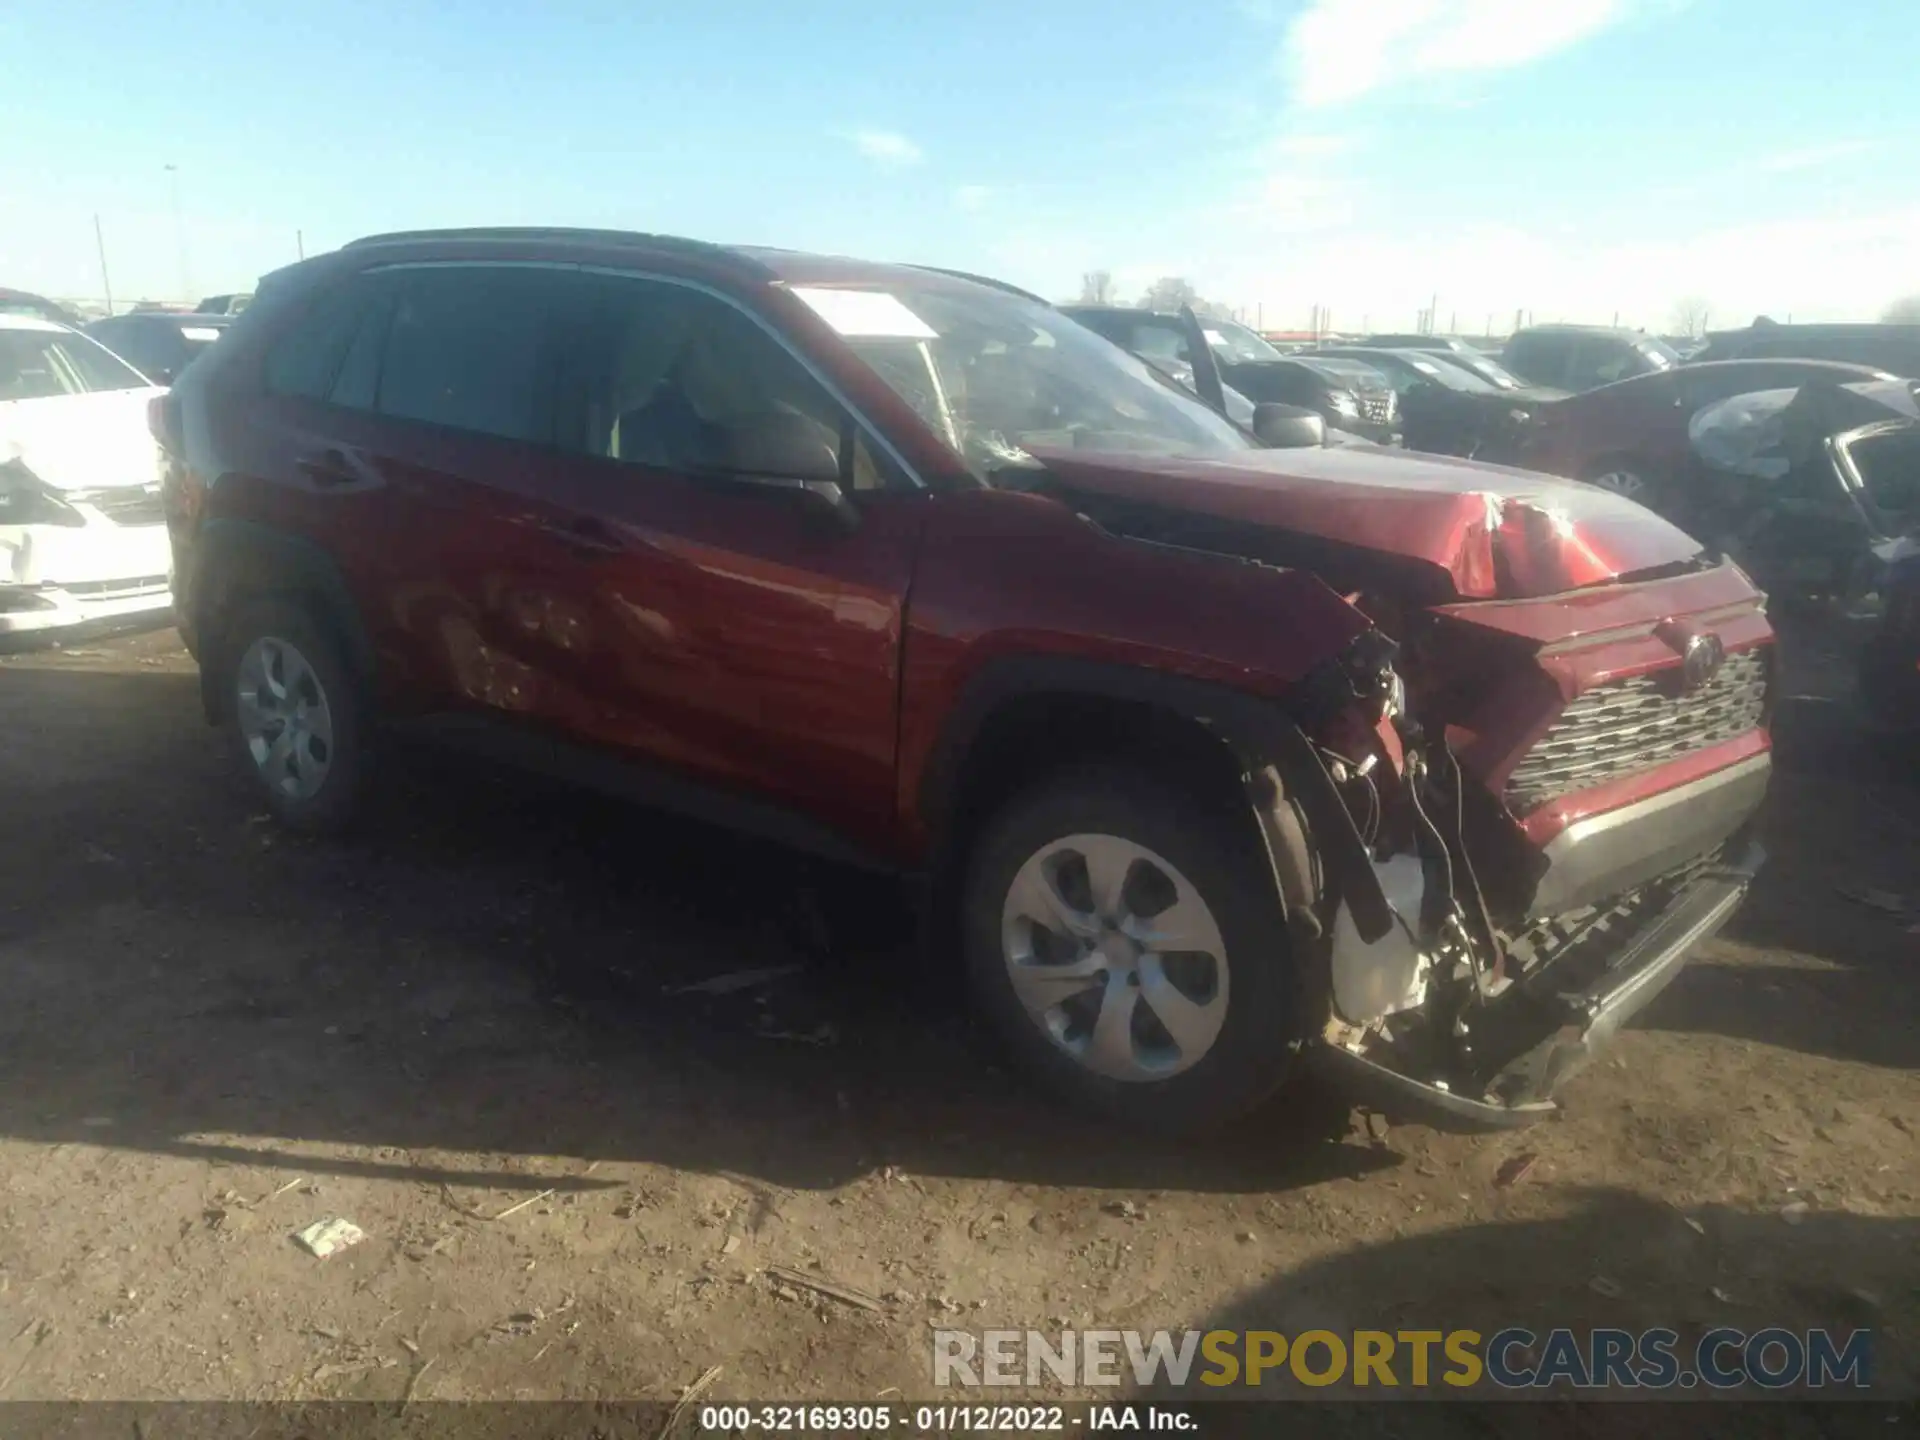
column 303, row 360
column 464, row 348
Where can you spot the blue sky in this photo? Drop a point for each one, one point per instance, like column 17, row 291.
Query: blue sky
column 1574, row 157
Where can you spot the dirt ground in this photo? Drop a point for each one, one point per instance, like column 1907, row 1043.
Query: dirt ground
column 466, row 1032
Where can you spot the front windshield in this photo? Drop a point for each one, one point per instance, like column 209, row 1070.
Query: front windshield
column 993, row 374
column 36, row 364
column 1236, row 344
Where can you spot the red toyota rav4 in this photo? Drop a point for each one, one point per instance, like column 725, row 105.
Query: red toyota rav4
column 1213, row 755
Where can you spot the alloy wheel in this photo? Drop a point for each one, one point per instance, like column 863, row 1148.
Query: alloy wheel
column 1622, row 482
column 1115, row 955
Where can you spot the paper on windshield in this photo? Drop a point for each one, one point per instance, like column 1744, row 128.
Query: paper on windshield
column 865, row 314
column 199, row 332
column 1214, row 337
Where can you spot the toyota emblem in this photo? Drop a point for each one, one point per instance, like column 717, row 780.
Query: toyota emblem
column 1700, row 661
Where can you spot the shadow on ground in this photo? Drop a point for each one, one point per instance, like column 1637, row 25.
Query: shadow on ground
column 1618, row 1260
column 484, row 972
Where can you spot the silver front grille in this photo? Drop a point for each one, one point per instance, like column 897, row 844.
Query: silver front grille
column 1628, row 726
column 1377, row 408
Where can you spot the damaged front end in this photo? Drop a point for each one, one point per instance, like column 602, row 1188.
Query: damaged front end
column 1462, row 971
column 1503, row 815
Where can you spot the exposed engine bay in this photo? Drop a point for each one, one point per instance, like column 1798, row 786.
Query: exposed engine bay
column 1442, row 969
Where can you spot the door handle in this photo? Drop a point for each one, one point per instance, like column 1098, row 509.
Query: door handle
column 327, row 468
column 585, row 536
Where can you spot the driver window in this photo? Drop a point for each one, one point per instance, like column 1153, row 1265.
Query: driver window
column 662, row 377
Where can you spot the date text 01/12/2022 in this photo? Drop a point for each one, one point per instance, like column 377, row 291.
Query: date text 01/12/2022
column 942, row 1419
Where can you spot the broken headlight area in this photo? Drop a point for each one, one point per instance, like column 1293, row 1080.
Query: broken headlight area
column 27, row 500
column 1439, row 985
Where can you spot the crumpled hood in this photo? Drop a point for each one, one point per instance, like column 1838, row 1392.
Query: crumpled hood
column 82, row 442
column 1495, row 533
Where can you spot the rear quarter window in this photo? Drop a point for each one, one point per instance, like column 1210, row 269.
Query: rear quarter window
column 303, row 359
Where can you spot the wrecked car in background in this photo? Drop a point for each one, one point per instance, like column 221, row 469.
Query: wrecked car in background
column 1631, row 436
column 1890, row 659
column 82, row 540
column 1801, row 485
column 1208, row 757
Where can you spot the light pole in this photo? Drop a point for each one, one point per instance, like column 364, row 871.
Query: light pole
column 100, row 241
column 179, row 232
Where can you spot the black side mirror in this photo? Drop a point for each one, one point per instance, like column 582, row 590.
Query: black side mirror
column 785, row 453
column 1288, row 427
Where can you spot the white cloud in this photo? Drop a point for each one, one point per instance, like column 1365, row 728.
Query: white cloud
column 1812, row 157
column 972, row 197
column 1338, row 51
column 887, row 148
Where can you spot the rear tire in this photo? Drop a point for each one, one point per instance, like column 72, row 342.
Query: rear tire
column 1131, row 951
column 296, row 719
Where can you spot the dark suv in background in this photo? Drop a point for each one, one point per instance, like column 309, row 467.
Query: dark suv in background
column 159, row 343
column 1583, row 357
column 1205, row 756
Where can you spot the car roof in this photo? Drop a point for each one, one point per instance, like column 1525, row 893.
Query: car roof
column 1838, row 327
column 32, row 322
column 1567, row 328
column 1846, row 367
column 1133, row 311
column 750, row 262
column 1352, row 352
column 175, row 318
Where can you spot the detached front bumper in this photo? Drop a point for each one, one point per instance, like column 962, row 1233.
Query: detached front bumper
column 32, row 609
column 1645, row 964
column 61, row 577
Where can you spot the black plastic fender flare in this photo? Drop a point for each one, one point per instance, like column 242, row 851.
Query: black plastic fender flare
column 236, row 558
column 1263, row 737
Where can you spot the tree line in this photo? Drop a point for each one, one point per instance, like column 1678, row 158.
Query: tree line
column 1168, row 293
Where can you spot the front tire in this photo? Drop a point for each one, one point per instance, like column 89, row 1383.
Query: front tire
column 296, row 720
column 1626, row 476
column 1128, row 945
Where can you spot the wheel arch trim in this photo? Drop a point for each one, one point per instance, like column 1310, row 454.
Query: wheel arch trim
column 245, row 557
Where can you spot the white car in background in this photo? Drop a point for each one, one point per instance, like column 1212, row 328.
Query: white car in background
column 82, row 537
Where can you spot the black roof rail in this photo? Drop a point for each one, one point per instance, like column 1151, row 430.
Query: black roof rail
column 986, row 280
column 637, row 239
